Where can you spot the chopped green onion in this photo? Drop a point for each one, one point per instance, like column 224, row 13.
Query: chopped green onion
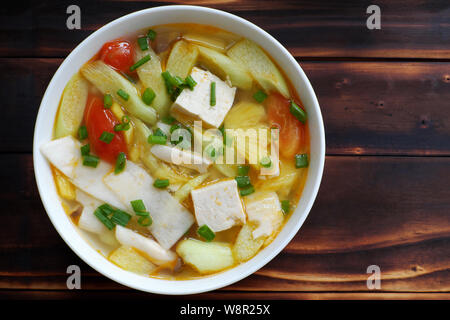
column 106, row 137
column 148, row 96
column 145, row 221
column 205, row 232
column 143, row 44
column 151, row 34
column 242, row 181
column 301, row 160
column 160, row 133
column 103, row 219
column 243, row 170
column 285, row 206
column 260, row 96
column 90, row 161
column 107, row 101
column 142, row 61
column 82, row 133
column 120, row 163
column 246, row 191
column 85, row 150
column 212, row 100
column 107, row 209
column 122, row 126
column 168, row 120
column 266, row 162
column 211, row 151
column 161, row 183
column 298, row 112
column 138, row 205
column 142, row 214
column 154, row 139
column 121, row 93
column 174, row 127
column 190, row 82
column 120, row 217
column 178, row 81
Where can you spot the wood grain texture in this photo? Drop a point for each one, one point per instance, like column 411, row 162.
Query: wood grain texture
column 376, row 108
column 410, row 29
column 384, row 197
column 376, row 216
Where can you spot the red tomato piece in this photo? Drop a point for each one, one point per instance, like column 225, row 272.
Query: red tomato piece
column 119, row 54
column 291, row 130
column 97, row 120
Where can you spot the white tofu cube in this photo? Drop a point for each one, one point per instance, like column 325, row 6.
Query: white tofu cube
column 195, row 104
column 218, row 205
column 264, row 209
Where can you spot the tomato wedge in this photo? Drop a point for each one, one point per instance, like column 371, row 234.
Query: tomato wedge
column 119, row 54
column 98, row 120
column 292, row 131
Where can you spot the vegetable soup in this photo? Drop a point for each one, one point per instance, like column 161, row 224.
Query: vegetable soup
column 182, row 149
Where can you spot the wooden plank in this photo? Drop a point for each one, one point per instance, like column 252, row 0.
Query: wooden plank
column 368, row 108
column 388, row 211
column 409, row 29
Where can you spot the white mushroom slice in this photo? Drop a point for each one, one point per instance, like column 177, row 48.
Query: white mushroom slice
column 264, row 209
column 65, row 155
column 180, row 157
column 88, row 221
column 170, row 219
column 152, row 250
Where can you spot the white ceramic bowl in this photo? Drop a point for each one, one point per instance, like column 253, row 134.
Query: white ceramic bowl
column 140, row 20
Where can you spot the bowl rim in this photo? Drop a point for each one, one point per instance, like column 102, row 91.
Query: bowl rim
column 163, row 286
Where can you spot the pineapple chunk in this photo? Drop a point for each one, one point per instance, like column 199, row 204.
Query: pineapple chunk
column 246, row 118
column 118, row 112
column 245, row 246
column 181, row 59
column 129, row 259
column 206, row 257
column 65, row 188
column 284, row 183
column 224, row 67
column 249, row 55
column 245, row 115
column 72, row 106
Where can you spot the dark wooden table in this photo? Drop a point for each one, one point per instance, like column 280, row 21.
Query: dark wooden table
column 385, row 194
